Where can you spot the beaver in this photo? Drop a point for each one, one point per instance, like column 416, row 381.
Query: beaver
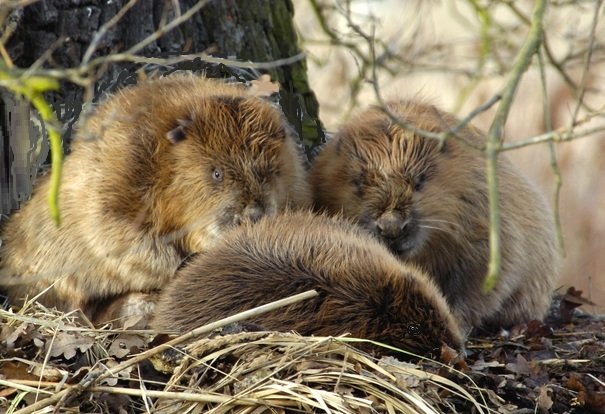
column 363, row 289
column 429, row 204
column 159, row 171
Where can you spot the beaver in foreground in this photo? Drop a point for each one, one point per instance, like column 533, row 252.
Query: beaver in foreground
column 160, row 170
column 363, row 289
column 429, row 205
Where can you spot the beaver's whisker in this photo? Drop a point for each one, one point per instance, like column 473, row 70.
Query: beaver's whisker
column 437, row 228
column 440, row 221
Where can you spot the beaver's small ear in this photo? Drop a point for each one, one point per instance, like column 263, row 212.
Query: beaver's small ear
column 178, row 133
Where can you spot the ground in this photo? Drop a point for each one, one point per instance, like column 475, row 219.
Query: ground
column 557, row 366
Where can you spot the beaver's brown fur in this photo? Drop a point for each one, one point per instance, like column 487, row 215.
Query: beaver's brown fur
column 159, row 171
column 430, row 207
column 363, row 289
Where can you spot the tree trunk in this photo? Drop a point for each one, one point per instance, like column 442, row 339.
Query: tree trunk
column 245, row 30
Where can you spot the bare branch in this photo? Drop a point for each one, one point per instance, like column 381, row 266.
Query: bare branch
column 551, row 149
column 591, row 42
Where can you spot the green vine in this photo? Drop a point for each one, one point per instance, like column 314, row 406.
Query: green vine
column 495, row 133
column 33, row 88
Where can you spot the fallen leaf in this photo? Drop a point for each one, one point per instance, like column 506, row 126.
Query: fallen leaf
column 544, row 400
column 480, row 365
column 537, row 329
column 115, row 403
column 406, row 381
column 520, row 367
column 448, row 354
column 67, row 344
column 16, row 370
column 574, row 297
column 587, row 397
column 49, row 373
column 14, row 336
column 124, row 344
column 7, row 392
column 123, row 374
column 263, row 86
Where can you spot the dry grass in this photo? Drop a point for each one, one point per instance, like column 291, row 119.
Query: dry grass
column 53, row 362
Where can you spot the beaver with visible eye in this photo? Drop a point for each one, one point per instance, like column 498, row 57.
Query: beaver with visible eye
column 429, row 205
column 159, row 171
column 363, row 289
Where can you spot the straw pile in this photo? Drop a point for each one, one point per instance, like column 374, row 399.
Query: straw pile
column 53, row 362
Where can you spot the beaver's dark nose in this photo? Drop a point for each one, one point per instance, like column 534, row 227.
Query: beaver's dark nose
column 390, row 225
column 252, row 213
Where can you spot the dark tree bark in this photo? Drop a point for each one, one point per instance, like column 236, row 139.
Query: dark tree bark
column 248, row 30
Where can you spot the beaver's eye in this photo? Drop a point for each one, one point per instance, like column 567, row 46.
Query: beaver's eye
column 414, row 329
column 419, row 182
column 217, row 175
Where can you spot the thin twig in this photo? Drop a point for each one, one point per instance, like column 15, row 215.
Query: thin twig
column 22, row 387
column 442, row 136
column 552, row 153
column 99, row 34
column 169, row 27
column 591, row 43
column 549, row 54
column 558, row 135
column 474, row 113
column 44, row 57
column 80, row 74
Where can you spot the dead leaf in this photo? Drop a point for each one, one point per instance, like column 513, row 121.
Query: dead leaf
column 5, row 332
column 49, row 373
column 574, row 297
column 537, row 329
column 448, row 354
column 494, row 398
column 16, row 370
column 587, row 397
column 520, row 367
column 14, row 336
column 124, row 344
column 263, row 86
column 7, row 392
column 480, row 365
column 115, row 403
column 123, row 374
column 67, row 344
column 508, row 409
column 406, row 381
column 544, row 400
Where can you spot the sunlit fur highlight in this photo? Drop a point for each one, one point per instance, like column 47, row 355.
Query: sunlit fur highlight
column 363, row 289
column 376, row 170
column 134, row 204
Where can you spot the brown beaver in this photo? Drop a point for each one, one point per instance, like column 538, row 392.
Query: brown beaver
column 363, row 289
column 160, row 170
column 429, row 205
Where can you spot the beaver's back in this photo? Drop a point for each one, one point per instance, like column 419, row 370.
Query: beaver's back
column 363, row 289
